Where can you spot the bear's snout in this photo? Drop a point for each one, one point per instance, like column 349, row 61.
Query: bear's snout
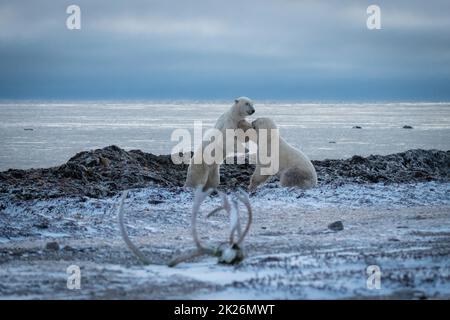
column 251, row 111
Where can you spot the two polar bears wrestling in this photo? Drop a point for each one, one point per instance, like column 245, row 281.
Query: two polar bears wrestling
column 200, row 173
column 295, row 169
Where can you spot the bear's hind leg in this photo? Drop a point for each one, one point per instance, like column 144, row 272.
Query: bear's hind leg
column 297, row 177
column 256, row 179
column 213, row 180
column 197, row 175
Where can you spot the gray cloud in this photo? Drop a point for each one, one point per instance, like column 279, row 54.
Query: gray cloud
column 216, row 49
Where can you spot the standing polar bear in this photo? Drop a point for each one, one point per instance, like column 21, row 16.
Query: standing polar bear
column 295, row 169
column 207, row 175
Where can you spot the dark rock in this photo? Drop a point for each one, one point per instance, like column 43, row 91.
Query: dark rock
column 357, row 159
column 405, row 167
column 154, row 201
column 407, row 127
column 336, row 226
column 54, row 246
column 271, row 259
column 356, row 127
column 42, row 225
column 106, row 172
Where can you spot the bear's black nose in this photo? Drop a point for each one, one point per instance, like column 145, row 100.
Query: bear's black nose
column 251, row 111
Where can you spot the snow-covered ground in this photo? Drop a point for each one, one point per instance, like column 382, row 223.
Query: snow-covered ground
column 291, row 253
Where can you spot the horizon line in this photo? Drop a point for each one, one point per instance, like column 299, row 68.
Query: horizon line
column 219, row 100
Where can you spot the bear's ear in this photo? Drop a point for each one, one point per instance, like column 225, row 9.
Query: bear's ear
column 236, row 100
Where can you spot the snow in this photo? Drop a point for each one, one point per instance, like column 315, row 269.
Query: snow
column 290, row 252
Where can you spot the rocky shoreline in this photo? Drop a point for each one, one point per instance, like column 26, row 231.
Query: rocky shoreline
column 391, row 211
column 105, row 172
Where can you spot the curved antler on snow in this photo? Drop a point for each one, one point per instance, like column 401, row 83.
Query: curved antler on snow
column 124, row 233
column 243, row 196
column 229, row 252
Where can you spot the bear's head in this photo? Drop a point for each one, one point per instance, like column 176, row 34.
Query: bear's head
column 243, row 107
column 263, row 123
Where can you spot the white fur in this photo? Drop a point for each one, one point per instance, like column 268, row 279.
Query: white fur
column 295, row 169
column 208, row 175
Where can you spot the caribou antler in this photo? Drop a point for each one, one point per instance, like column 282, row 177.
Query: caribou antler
column 124, row 233
column 228, row 252
column 243, row 197
column 199, row 197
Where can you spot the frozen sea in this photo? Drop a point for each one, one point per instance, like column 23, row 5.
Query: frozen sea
column 291, row 251
column 44, row 134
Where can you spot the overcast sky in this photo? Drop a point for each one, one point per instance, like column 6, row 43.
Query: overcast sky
column 276, row 49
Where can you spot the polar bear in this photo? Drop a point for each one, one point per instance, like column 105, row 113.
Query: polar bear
column 208, row 174
column 295, row 169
